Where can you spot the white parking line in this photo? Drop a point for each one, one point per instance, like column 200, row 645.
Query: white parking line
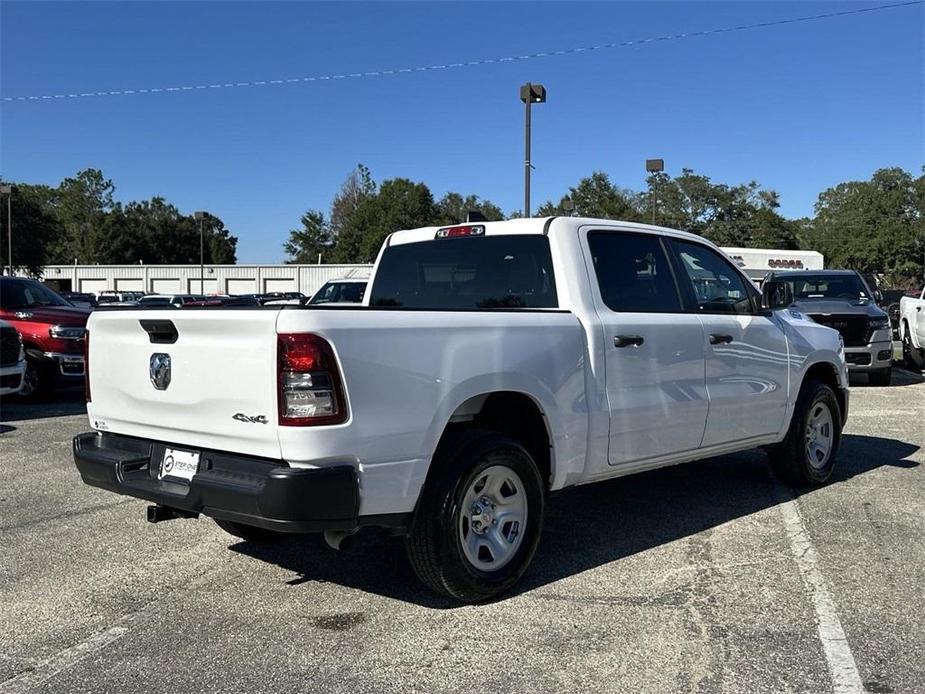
column 844, row 671
column 28, row 681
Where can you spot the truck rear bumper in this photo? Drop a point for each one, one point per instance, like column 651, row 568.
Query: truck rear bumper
column 254, row 491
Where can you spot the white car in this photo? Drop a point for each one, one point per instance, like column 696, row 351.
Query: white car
column 490, row 365
column 912, row 329
column 12, row 360
column 346, row 290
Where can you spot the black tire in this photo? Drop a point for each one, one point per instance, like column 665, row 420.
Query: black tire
column 248, row 533
column 434, row 544
column 881, row 377
column 790, row 459
column 912, row 361
column 36, row 381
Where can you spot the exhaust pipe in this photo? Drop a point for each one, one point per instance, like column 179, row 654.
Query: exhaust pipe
column 158, row 513
column 339, row 539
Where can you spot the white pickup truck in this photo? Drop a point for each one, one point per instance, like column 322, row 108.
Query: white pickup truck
column 489, row 365
column 912, row 329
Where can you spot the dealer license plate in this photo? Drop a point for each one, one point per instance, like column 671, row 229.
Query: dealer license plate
column 179, row 464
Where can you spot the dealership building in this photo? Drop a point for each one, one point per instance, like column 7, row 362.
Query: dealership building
column 758, row 262
column 186, row 279
column 258, row 279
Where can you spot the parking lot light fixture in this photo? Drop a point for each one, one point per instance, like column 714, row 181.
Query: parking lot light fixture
column 654, row 166
column 530, row 94
column 200, row 216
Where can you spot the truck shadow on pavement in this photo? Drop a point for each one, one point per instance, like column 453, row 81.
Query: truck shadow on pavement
column 63, row 405
column 901, row 377
column 586, row 527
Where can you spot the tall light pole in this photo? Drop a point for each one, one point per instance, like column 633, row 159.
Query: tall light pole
column 654, row 166
column 530, row 94
column 8, row 192
column 200, row 216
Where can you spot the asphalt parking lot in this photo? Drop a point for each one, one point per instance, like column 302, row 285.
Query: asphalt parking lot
column 708, row 577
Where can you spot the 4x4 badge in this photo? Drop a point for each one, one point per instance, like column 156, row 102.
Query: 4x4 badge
column 256, row 419
column 159, row 370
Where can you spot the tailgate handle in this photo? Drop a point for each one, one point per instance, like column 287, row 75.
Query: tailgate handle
column 160, row 332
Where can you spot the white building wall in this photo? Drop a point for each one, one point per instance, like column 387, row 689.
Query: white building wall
column 222, row 279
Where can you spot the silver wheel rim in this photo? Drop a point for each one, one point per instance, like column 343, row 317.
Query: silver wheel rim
column 820, row 435
column 493, row 518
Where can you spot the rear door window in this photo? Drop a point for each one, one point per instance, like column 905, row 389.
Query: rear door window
column 488, row 272
column 633, row 272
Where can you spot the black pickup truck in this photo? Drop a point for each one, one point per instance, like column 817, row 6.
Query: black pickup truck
column 842, row 300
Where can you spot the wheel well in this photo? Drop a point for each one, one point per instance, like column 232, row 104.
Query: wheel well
column 826, row 373
column 511, row 413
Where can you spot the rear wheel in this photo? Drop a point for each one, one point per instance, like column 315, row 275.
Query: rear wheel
column 882, row 377
column 806, row 457
column 478, row 521
column 248, row 533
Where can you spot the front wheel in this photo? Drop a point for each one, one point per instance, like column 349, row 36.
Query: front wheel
column 36, row 380
column 913, row 361
column 478, row 521
column 806, row 456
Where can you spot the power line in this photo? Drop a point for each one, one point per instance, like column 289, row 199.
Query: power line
column 470, row 63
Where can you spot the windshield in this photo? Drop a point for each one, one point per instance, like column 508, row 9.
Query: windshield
column 340, row 292
column 486, row 272
column 827, row 287
column 20, row 293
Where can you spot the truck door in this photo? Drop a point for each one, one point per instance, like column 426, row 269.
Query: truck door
column 654, row 350
column 746, row 351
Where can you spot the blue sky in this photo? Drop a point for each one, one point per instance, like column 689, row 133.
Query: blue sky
column 797, row 107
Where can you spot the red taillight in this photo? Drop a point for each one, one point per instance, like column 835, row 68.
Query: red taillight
column 465, row 230
column 310, row 389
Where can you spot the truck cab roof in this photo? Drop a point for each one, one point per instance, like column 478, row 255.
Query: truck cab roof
column 532, row 225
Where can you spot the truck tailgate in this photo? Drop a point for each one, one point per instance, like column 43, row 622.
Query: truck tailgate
column 222, row 390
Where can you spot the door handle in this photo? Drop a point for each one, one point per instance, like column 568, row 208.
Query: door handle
column 627, row 340
column 717, row 339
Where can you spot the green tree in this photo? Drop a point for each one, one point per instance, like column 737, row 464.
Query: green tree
column 312, row 241
column 35, row 229
column 874, row 226
column 453, row 208
column 729, row 215
column 80, row 204
column 356, row 189
column 399, row 204
column 595, row 196
column 154, row 231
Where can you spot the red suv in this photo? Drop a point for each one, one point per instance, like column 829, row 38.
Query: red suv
column 53, row 332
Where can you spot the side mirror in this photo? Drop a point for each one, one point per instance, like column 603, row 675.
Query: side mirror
column 776, row 294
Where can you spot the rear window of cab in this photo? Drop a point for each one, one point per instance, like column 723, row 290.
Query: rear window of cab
column 485, row 272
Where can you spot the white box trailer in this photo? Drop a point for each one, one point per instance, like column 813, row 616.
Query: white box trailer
column 758, row 262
